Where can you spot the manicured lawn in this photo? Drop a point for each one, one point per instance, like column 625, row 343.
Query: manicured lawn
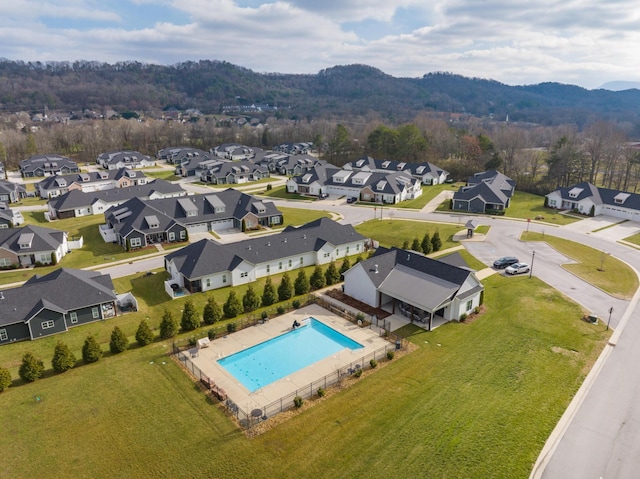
column 471, row 260
column 634, row 239
column 167, row 175
column 394, row 232
column 281, row 192
column 595, row 267
column 428, row 193
column 299, row 216
column 475, row 400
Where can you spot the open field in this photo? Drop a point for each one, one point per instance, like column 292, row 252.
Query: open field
column 393, row 232
column 475, row 400
column 595, row 267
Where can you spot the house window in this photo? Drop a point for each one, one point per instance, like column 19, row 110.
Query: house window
column 326, row 255
column 268, row 269
column 183, row 234
column 347, row 250
column 469, row 305
column 275, row 220
column 290, row 263
column 208, row 282
column 244, row 274
column 74, row 317
column 280, row 265
column 48, row 324
column 5, row 262
column 224, row 278
column 358, row 247
column 135, row 242
column 45, row 258
column 172, row 236
column 301, row 260
column 95, row 312
column 3, row 335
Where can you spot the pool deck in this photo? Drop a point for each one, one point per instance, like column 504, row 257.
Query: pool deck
column 207, row 358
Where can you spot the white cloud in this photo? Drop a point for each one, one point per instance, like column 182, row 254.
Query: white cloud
column 586, row 42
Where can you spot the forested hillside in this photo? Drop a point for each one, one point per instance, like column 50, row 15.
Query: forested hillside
column 331, row 93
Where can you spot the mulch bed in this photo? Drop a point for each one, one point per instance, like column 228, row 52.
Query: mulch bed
column 359, row 305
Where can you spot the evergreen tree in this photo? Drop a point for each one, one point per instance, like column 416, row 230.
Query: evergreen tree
column 31, row 368
column 359, row 257
column 250, row 300
column 5, row 379
column 212, row 312
column 144, row 335
column 232, row 306
column 436, row 242
column 119, row 341
column 190, row 319
column 301, row 284
column 268, row 293
column 415, row 246
column 426, row 244
column 91, row 350
column 285, row 288
column 331, row 274
column 346, row 264
column 63, row 358
column 168, row 325
column 317, row 279
column 405, row 244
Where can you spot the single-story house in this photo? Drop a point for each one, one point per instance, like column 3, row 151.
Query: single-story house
column 389, row 188
column 177, row 154
column 488, row 190
column 237, row 152
column 9, row 218
column 138, row 223
column 76, row 203
column 236, row 172
column 113, row 160
column 588, row 199
column 302, row 148
column 11, row 192
column 207, row 265
column 289, row 165
column 58, row 185
column 51, row 304
column 409, row 283
column 32, row 244
column 427, row 173
column 47, row 165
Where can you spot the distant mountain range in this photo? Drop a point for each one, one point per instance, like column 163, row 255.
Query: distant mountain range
column 621, row 85
column 338, row 92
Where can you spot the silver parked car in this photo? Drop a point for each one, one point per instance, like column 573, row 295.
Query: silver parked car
column 517, row 268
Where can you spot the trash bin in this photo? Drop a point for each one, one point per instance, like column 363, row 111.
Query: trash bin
column 398, row 344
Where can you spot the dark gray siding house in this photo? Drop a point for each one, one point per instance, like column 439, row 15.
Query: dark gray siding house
column 51, row 304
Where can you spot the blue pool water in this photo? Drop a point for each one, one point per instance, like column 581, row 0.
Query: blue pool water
column 267, row 362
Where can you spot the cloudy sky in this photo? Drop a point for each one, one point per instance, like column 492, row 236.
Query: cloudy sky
column 581, row 42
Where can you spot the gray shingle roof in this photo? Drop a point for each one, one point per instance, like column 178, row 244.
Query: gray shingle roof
column 44, row 239
column 89, row 177
column 46, row 162
column 208, row 257
column 61, row 290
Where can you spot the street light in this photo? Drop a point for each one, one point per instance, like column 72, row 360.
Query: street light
column 533, row 257
column 609, row 320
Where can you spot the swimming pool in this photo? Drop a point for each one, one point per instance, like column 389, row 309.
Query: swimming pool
column 265, row 363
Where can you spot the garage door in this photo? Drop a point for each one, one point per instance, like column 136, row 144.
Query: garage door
column 221, row 225
column 197, row 228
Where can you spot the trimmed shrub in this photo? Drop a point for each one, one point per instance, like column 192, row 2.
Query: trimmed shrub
column 285, row 289
column 5, row 379
column 63, row 359
column 295, row 304
column 360, row 317
column 390, row 355
column 358, row 373
column 264, row 315
column 301, row 285
column 211, row 334
column 212, row 312
column 298, row 401
column 31, row 368
column 232, row 306
column 250, row 300
column 119, row 341
column 373, row 363
column 268, row 293
column 190, row 319
column 231, row 327
column 144, row 335
column 321, row 392
column 168, row 325
column 91, row 351
column 463, row 317
column 281, row 310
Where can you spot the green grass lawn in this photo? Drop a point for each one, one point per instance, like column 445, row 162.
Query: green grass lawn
column 633, row 239
column 299, row 216
column 471, row 260
column 281, row 192
column 428, row 193
column 474, row 400
column 595, row 267
column 168, row 175
column 394, row 232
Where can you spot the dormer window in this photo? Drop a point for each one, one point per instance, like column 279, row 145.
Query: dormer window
column 575, row 192
column 621, row 198
column 25, row 240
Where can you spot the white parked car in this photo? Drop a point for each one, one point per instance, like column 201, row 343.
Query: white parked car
column 517, row 268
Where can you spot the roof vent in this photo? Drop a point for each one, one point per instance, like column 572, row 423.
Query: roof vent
column 375, row 268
